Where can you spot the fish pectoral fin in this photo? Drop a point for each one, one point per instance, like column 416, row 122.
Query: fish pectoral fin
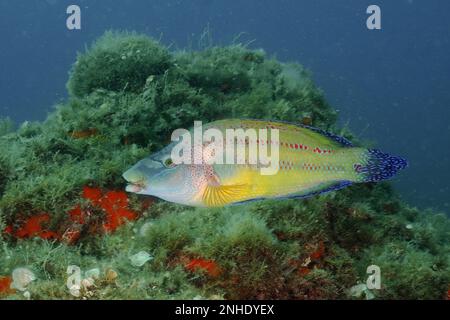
column 221, row 195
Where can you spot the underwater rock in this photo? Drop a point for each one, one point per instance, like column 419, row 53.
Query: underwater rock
column 6, row 126
column 118, row 61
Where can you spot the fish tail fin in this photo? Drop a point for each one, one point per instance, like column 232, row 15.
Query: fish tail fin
column 380, row 166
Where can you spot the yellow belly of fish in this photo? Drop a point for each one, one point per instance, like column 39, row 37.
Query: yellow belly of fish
column 299, row 174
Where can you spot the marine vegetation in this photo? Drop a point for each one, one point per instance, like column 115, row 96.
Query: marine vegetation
column 64, row 210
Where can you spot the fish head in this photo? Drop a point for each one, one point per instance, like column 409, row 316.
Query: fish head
column 158, row 176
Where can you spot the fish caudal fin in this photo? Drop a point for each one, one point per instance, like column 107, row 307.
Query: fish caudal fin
column 381, row 166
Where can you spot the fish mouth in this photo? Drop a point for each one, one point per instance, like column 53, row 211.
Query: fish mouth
column 136, row 182
column 134, row 187
column 139, row 175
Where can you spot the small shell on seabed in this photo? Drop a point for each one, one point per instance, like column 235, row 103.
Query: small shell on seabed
column 22, row 277
column 27, row 295
column 140, row 258
column 93, row 273
column 360, row 289
column 145, row 228
column 87, row 283
column 75, row 291
column 111, row 275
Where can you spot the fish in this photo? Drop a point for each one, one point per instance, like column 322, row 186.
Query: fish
column 310, row 162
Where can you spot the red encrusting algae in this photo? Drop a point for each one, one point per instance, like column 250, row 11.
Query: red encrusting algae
column 316, row 255
column 308, row 264
column 92, row 194
column 77, row 215
column 113, row 203
column 210, row 266
column 5, row 286
column 33, row 227
column 303, row 271
column 8, row 230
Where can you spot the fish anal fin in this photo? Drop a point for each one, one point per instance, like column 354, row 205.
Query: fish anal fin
column 321, row 189
column 317, row 191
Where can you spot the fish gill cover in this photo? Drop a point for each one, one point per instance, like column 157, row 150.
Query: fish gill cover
column 62, row 200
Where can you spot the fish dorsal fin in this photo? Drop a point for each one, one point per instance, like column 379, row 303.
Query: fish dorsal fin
column 218, row 196
column 341, row 140
column 334, row 137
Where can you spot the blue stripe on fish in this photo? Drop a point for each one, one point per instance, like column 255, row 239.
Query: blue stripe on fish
column 341, row 140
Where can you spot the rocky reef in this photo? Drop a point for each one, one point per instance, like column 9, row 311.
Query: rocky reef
column 62, row 205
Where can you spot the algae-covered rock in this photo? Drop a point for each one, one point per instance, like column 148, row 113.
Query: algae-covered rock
column 62, row 201
column 118, row 62
column 6, row 126
column 409, row 273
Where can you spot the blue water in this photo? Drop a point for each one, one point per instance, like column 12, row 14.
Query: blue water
column 391, row 86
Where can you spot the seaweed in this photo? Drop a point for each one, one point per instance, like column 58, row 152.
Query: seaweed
column 118, row 61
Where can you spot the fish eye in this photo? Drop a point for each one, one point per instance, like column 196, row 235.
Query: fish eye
column 169, row 163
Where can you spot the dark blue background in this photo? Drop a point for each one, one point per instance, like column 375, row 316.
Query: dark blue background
column 391, row 86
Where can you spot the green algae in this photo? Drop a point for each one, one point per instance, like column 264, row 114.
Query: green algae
column 127, row 94
column 118, row 61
